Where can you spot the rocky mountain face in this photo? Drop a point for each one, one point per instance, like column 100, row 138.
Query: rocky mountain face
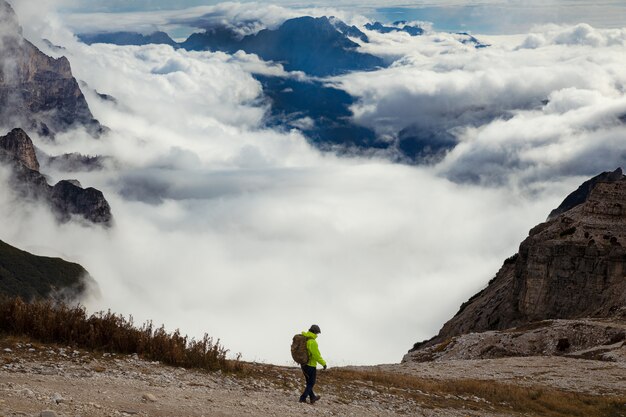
column 317, row 46
column 37, row 92
column 29, row 276
column 573, row 266
column 67, row 198
column 18, row 144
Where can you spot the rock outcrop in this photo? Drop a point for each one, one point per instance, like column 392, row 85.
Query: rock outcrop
column 37, row 92
column 595, row 339
column 67, row 198
column 572, row 266
column 582, row 193
column 18, row 144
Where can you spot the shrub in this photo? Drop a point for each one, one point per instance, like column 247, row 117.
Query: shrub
column 50, row 322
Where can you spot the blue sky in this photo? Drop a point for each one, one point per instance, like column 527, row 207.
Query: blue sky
column 487, row 16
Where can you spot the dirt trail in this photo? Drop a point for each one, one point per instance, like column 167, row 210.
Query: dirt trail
column 48, row 381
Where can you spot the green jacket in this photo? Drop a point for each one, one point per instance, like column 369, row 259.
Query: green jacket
column 315, row 356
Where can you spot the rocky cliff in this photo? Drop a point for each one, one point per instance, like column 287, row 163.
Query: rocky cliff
column 67, row 198
column 572, row 266
column 37, row 92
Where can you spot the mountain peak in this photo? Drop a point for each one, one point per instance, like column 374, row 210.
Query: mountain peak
column 18, row 144
column 582, row 193
column 318, row 46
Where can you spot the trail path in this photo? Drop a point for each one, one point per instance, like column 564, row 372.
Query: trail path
column 46, row 381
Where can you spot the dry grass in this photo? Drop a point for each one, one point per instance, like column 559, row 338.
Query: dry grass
column 46, row 322
column 480, row 395
column 444, row 345
column 49, row 322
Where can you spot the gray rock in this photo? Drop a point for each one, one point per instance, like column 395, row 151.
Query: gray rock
column 18, row 144
column 47, row 413
column 27, row 392
column 58, row 398
column 148, row 397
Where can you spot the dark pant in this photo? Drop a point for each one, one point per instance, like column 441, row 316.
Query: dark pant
column 310, row 374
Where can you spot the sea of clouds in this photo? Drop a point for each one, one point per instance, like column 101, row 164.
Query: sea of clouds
column 251, row 234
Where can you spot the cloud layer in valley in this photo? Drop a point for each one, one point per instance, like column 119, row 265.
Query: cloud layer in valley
column 543, row 105
column 251, row 234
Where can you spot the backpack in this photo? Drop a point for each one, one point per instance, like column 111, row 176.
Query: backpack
column 299, row 351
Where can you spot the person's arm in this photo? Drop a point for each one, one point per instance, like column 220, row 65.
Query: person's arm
column 315, row 353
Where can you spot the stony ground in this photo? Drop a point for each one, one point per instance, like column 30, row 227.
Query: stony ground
column 575, row 375
column 47, row 381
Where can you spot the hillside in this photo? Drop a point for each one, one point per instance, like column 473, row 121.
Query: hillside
column 29, row 276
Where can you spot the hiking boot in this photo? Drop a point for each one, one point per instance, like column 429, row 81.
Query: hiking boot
column 302, row 401
column 316, row 398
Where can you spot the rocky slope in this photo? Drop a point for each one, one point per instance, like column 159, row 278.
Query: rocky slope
column 570, row 267
column 67, row 198
column 29, row 276
column 594, row 339
column 37, row 92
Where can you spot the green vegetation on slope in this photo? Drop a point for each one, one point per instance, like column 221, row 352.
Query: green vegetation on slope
column 28, row 276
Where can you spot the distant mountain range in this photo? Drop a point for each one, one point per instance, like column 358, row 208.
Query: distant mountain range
column 399, row 26
column 318, row 47
column 128, row 38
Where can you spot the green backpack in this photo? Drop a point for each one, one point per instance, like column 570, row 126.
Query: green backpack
column 299, row 351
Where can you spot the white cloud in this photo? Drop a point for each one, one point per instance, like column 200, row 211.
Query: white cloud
column 494, row 99
column 246, row 18
column 250, row 234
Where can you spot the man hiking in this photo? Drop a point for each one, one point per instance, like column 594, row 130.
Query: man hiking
column 310, row 369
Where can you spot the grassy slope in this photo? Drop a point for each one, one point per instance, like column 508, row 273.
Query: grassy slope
column 28, row 276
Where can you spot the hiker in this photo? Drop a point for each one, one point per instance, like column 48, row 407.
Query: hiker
column 310, row 369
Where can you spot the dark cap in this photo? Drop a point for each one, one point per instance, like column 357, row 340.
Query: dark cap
column 315, row 329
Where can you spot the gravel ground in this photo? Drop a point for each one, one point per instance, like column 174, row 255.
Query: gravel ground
column 577, row 375
column 46, row 381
